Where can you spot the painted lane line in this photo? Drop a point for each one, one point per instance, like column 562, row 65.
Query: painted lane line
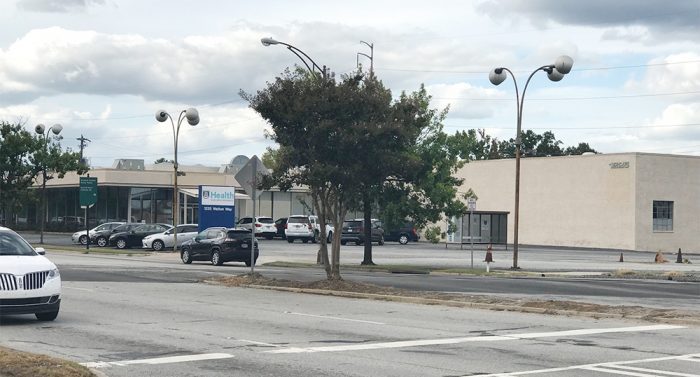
column 583, row 366
column 655, row 372
column 620, row 372
column 79, row 289
column 258, row 343
column 487, row 338
column 159, row 360
column 336, row 318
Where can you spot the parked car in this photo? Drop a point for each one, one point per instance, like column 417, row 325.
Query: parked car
column 264, row 226
column 404, row 234
column 29, row 282
column 134, row 237
column 101, row 238
column 163, row 240
column 306, row 228
column 220, row 245
column 281, row 225
column 354, row 231
column 81, row 237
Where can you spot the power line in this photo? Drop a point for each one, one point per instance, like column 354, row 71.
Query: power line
column 569, row 98
column 582, row 128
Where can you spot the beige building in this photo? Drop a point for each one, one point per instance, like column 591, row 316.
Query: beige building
column 633, row 201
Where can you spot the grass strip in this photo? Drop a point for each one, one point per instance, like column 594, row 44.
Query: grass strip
column 23, row 364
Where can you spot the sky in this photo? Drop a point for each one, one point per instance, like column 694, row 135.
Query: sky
column 102, row 68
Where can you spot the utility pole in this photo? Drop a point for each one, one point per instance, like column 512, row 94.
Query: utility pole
column 82, row 141
column 370, row 57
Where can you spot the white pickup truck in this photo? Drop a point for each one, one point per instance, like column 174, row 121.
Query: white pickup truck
column 306, row 228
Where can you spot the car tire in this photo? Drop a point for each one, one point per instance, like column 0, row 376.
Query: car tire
column 49, row 316
column 158, row 245
column 121, row 243
column 381, row 241
column 185, row 256
column 101, row 242
column 343, row 242
column 403, row 239
column 305, row 240
column 290, row 239
column 329, row 239
column 248, row 264
column 216, row 258
column 83, row 240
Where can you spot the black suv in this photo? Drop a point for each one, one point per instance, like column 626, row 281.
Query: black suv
column 134, row 236
column 219, row 245
column 404, row 234
column 354, row 231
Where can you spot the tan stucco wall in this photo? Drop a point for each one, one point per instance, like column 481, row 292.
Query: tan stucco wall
column 147, row 178
column 564, row 201
column 668, row 178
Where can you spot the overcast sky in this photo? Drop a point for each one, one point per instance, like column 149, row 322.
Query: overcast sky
column 102, row 68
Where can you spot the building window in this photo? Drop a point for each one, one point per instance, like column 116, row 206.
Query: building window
column 663, row 216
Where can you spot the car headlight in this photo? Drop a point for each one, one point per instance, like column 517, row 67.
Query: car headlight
column 53, row 274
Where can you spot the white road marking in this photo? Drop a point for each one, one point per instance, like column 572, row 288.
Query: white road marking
column 620, row 372
column 654, row 371
column 79, row 289
column 488, row 338
column 258, row 343
column 159, row 360
column 336, row 318
column 605, row 364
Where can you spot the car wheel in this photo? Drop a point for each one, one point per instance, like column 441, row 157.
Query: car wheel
column 305, row 240
column 216, row 258
column 248, row 264
column 185, row 256
column 403, row 239
column 343, row 242
column 290, row 239
column 101, row 241
column 83, row 240
column 158, row 245
column 329, row 239
column 121, row 243
column 50, row 316
column 381, row 241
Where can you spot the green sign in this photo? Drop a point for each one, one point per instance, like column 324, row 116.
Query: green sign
column 88, row 191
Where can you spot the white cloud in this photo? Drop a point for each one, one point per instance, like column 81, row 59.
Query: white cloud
column 674, row 73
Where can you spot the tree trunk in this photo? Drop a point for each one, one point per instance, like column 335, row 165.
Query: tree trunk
column 367, row 211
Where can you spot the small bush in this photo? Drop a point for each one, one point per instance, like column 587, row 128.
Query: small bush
column 432, row 234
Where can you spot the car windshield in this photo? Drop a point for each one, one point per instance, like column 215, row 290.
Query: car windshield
column 265, row 220
column 293, row 220
column 13, row 244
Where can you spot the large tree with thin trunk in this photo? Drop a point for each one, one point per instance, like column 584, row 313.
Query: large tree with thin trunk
column 344, row 140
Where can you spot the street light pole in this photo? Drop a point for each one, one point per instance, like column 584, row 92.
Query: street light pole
column 555, row 72
column 192, row 117
column 306, row 59
column 370, row 57
column 39, row 129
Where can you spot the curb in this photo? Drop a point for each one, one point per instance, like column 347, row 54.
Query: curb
column 472, row 305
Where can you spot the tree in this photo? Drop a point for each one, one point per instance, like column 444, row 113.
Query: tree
column 23, row 157
column 163, row 160
column 581, row 148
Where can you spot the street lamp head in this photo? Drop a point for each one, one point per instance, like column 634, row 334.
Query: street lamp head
column 554, row 74
column 56, row 129
column 39, row 128
column 161, row 115
column 563, row 64
column 497, row 76
column 192, row 116
column 269, row 41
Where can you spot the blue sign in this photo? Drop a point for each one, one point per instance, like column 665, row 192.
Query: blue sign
column 216, row 207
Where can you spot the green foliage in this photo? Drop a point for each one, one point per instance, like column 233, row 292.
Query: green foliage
column 432, row 234
column 163, row 160
column 477, row 145
column 23, row 159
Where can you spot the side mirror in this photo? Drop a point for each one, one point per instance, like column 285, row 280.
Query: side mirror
column 197, row 238
column 168, row 232
column 40, row 251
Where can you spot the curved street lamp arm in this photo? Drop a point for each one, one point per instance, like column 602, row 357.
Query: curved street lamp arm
column 297, row 51
column 522, row 99
column 302, row 60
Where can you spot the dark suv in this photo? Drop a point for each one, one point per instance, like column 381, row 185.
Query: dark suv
column 354, row 231
column 134, row 236
column 404, row 234
column 219, row 245
column 101, row 238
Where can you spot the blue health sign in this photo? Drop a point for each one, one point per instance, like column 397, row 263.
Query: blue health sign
column 216, row 206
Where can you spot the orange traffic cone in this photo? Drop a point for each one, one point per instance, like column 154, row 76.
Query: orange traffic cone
column 489, row 255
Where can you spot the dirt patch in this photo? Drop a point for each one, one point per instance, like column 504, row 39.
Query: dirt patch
column 22, row 364
column 347, row 288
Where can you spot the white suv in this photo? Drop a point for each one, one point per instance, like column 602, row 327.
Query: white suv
column 29, row 283
column 166, row 240
column 306, row 228
column 264, row 226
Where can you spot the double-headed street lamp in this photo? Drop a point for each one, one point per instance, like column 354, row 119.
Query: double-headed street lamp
column 555, row 72
column 192, row 117
column 40, row 129
column 306, row 59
